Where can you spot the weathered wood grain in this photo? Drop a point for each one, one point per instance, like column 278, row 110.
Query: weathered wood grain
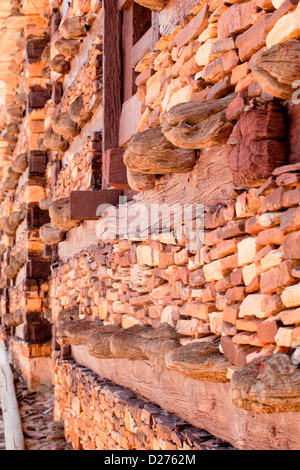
column 277, row 68
column 269, row 384
column 149, row 152
column 198, row 124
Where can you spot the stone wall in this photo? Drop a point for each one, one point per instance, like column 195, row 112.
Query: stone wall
column 201, row 109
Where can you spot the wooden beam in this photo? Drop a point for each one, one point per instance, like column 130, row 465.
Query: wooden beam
column 37, row 269
column 131, row 113
column 114, row 172
column 205, row 405
column 127, row 43
column 14, row 439
column 84, row 205
column 141, row 48
column 112, row 45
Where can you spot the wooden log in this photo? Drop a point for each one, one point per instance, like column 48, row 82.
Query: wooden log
column 76, row 332
column 74, row 27
column 55, row 142
column 269, row 384
column 198, row 124
column 199, row 361
column 46, row 55
column 60, row 65
column 65, row 126
column 46, row 73
column 13, row 221
column 67, row 47
column 12, row 268
column 50, row 235
column 20, row 163
column 68, row 314
column 45, row 203
column 98, row 342
column 9, row 184
column 127, row 343
column 60, row 215
column 277, row 68
column 156, row 343
column 13, row 319
column 89, row 205
column 79, row 112
column 14, row 439
column 150, row 152
column 13, row 175
column 154, row 5
column 13, row 128
column 139, row 181
column 10, row 138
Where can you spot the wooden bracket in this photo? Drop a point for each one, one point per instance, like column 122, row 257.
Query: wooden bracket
column 86, row 205
column 37, row 269
column 114, row 172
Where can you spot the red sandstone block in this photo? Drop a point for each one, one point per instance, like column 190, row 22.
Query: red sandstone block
column 237, row 106
column 236, row 354
column 274, row 200
column 220, row 67
column 218, row 216
column 166, row 258
column 220, row 89
column 236, row 277
column 277, row 278
column 223, row 284
column 239, row 72
column 291, row 246
column 236, row 19
column 196, row 278
column 231, row 313
column 272, row 236
column 236, row 294
column 181, row 257
column 267, row 330
column 209, row 293
column 234, row 228
column 194, row 28
column 254, row 38
column 290, row 220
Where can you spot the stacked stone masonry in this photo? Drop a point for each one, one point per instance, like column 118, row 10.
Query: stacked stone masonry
column 199, row 106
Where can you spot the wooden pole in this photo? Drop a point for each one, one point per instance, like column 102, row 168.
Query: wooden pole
column 14, row 439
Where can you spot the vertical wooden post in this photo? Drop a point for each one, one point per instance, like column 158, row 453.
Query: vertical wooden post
column 14, row 439
column 112, row 67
